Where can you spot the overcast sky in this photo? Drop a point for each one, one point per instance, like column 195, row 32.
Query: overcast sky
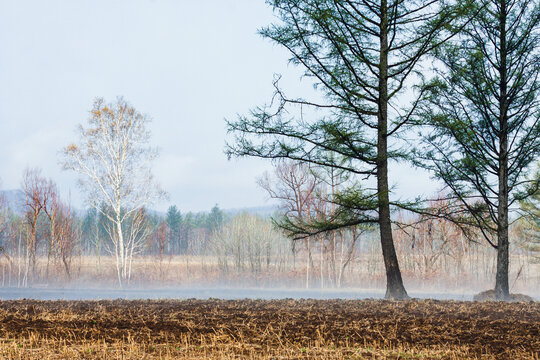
column 187, row 64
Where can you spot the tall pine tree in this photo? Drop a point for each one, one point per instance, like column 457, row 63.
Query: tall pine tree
column 361, row 55
column 484, row 112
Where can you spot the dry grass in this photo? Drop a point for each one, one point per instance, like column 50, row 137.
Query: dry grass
column 204, row 271
column 255, row 329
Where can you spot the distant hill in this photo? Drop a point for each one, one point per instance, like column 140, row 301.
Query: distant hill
column 16, row 202
column 263, row 211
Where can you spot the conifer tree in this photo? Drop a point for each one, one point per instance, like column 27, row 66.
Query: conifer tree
column 360, row 54
column 484, row 112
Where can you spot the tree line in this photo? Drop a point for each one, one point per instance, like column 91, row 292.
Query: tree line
column 198, row 248
column 44, row 226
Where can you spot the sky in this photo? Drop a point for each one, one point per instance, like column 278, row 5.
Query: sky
column 188, row 65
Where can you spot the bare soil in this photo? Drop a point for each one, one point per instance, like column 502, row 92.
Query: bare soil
column 329, row 329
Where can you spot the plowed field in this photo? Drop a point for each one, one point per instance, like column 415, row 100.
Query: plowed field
column 286, row 329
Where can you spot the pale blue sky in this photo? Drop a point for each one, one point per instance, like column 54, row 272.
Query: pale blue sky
column 187, row 64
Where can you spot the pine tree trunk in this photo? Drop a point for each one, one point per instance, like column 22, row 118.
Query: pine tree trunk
column 502, row 291
column 394, row 282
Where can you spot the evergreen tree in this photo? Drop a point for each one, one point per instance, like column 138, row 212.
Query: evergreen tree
column 361, row 55
column 174, row 223
column 188, row 225
column 484, row 112
column 215, row 218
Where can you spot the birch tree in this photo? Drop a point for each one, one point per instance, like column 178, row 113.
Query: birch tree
column 113, row 159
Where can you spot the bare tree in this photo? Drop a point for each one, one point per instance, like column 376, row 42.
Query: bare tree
column 36, row 197
column 67, row 235
column 308, row 194
column 114, row 160
column 248, row 244
column 340, row 244
column 295, row 187
column 50, row 207
column 138, row 236
column 4, row 225
column 161, row 238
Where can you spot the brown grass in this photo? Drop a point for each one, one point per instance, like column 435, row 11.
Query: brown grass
column 203, row 271
column 255, row 329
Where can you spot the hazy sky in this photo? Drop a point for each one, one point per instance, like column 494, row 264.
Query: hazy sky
column 187, row 64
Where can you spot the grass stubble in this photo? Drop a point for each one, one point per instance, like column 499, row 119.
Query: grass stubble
column 268, row 329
